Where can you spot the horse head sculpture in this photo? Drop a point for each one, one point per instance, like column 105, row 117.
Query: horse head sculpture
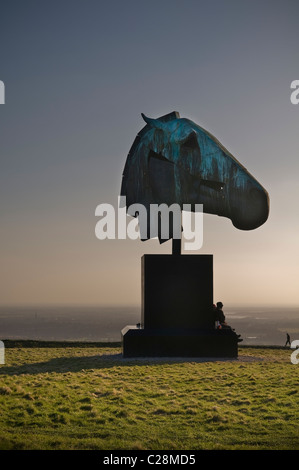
column 174, row 160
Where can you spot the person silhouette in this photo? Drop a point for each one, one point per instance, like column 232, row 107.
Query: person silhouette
column 220, row 317
column 221, row 322
column 288, row 341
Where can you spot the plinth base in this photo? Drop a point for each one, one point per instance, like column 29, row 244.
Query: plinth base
column 177, row 292
column 139, row 342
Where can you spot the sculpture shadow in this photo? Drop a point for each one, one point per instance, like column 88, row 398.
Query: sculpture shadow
column 62, row 365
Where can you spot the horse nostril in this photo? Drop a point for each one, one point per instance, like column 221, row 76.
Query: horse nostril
column 259, row 201
column 252, row 211
column 256, row 195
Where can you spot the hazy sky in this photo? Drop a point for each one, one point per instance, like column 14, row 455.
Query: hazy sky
column 77, row 76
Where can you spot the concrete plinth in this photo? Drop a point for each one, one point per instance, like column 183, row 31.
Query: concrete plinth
column 176, row 315
column 177, row 291
column 139, row 342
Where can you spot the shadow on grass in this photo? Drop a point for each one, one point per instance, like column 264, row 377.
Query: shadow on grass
column 27, row 343
column 62, row 365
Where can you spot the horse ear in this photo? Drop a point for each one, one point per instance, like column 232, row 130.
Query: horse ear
column 156, row 123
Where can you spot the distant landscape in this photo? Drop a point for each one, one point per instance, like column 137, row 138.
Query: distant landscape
column 257, row 325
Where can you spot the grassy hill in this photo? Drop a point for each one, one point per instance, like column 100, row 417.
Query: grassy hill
column 87, row 396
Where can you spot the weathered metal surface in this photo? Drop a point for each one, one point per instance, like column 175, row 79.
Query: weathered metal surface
column 174, row 160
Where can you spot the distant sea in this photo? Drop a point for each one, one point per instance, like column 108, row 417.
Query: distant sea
column 257, row 325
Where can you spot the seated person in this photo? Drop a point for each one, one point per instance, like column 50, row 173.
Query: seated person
column 219, row 316
column 220, row 319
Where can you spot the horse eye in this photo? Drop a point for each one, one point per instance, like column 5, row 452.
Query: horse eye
column 216, row 185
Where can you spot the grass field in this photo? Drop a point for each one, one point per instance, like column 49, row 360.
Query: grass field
column 87, row 396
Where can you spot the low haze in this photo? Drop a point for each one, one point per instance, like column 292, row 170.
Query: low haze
column 77, row 77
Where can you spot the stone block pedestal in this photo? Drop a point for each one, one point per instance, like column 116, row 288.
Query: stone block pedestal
column 176, row 315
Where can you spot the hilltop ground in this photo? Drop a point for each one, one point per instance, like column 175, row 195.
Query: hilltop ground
column 87, row 396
